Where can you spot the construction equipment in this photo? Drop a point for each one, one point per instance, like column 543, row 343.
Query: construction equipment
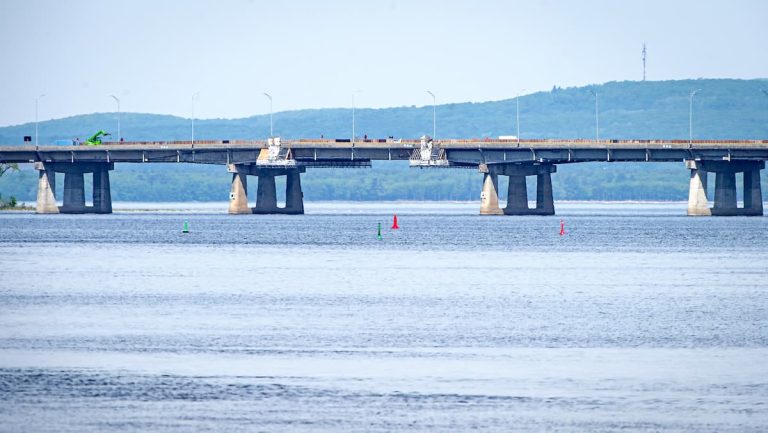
column 95, row 139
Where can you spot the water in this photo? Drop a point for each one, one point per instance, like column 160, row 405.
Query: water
column 639, row 319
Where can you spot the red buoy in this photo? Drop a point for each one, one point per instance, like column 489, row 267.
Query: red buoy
column 394, row 224
column 562, row 227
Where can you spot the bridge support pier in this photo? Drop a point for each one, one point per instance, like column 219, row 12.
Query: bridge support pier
column 238, row 195
column 489, row 196
column 266, row 193
column 517, row 196
column 46, row 189
column 74, row 193
column 102, row 193
column 294, row 196
column 725, row 188
column 517, row 192
column 74, row 187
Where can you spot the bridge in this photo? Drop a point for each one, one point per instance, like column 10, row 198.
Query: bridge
column 515, row 158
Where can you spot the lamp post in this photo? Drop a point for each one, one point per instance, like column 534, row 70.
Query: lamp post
column 690, row 116
column 765, row 92
column 270, row 113
column 434, row 115
column 118, row 115
column 37, row 102
column 517, row 115
column 353, row 115
column 597, row 116
column 194, row 96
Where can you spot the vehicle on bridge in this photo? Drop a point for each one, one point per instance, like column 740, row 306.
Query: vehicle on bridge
column 95, row 139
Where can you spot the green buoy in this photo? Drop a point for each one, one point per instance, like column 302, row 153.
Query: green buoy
column 186, row 227
column 378, row 236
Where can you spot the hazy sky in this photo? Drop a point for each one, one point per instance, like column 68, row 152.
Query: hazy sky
column 155, row 54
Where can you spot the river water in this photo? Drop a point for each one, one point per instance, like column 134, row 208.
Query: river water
column 637, row 319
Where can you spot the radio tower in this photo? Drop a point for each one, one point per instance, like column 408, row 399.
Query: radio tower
column 644, row 55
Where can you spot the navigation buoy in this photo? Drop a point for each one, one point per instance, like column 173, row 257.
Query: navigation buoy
column 378, row 236
column 562, row 227
column 394, row 224
column 185, row 229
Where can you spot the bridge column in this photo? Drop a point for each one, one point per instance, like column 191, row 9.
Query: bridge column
column 46, row 189
column 266, row 195
column 238, row 194
column 753, row 195
column 74, row 192
column 294, row 197
column 725, row 194
column 102, row 195
column 698, row 205
column 517, row 196
column 545, row 203
column 489, row 197
column 725, row 188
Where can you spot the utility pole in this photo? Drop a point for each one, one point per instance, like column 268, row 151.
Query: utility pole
column 645, row 53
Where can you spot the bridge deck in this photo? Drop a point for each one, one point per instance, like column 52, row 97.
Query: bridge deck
column 459, row 152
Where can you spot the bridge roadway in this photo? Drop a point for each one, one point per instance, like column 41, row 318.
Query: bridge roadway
column 514, row 158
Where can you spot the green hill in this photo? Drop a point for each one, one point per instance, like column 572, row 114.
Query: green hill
column 724, row 108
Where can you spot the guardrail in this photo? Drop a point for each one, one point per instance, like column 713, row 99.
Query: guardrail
column 464, row 143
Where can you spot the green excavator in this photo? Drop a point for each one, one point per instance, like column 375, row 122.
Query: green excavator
column 95, row 139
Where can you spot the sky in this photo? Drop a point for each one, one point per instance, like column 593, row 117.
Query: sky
column 153, row 55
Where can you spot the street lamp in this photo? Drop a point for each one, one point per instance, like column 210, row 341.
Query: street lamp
column 517, row 115
column 690, row 117
column 434, row 116
column 765, row 92
column 270, row 113
column 37, row 100
column 194, row 96
column 597, row 116
column 353, row 115
column 118, row 115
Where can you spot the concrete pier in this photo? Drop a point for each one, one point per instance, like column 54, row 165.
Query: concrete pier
column 266, row 192
column 489, row 196
column 545, row 203
column 697, row 192
column 238, row 195
column 294, row 196
column 753, row 195
column 725, row 203
column 725, row 194
column 74, row 187
column 46, row 189
column 74, row 193
column 102, row 194
column 517, row 193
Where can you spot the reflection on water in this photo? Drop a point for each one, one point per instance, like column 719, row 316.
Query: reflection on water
column 638, row 319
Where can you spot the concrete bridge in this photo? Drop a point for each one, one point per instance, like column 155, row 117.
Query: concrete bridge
column 517, row 159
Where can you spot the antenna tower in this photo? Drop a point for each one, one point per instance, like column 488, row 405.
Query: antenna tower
column 645, row 52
